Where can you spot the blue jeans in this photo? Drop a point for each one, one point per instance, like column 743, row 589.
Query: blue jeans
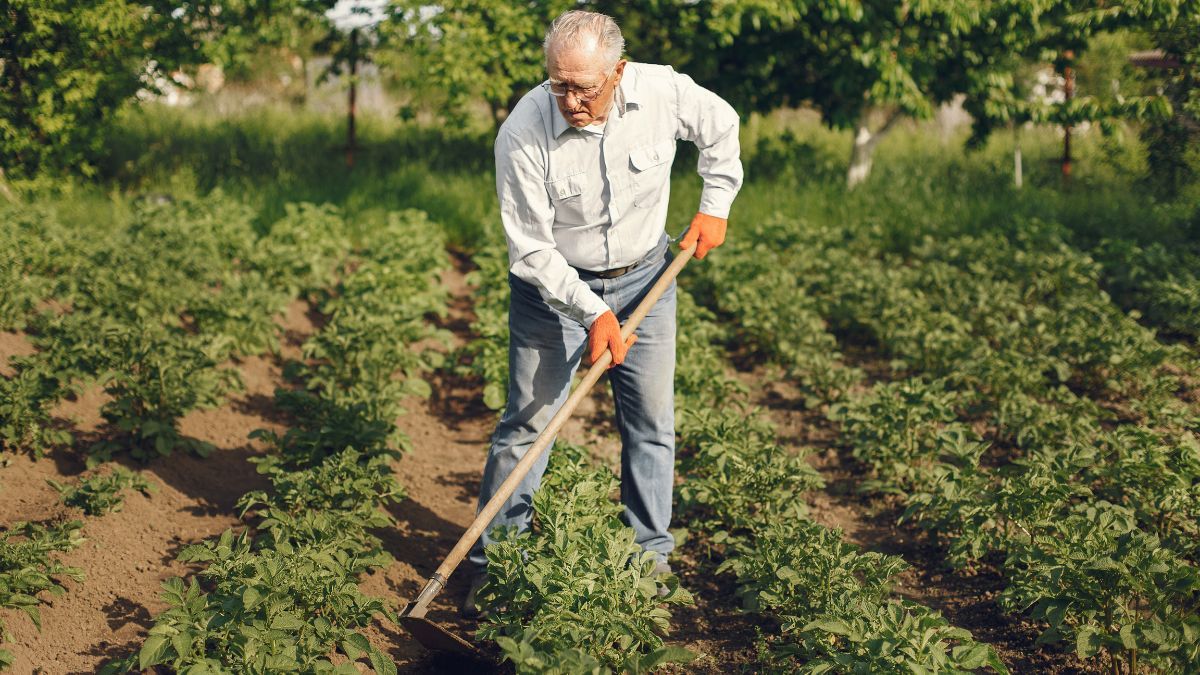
column 545, row 349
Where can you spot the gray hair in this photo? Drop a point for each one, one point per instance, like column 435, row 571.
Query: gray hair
column 573, row 28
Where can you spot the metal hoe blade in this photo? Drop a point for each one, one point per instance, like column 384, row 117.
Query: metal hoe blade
column 434, row 637
column 429, row 634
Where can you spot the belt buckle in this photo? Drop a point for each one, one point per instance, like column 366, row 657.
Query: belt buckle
column 616, row 272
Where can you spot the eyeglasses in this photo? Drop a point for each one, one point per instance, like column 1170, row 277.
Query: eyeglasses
column 585, row 95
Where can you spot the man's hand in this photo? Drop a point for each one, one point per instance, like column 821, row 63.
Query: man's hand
column 707, row 232
column 605, row 332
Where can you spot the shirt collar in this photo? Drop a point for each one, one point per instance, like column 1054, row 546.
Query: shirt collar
column 627, row 95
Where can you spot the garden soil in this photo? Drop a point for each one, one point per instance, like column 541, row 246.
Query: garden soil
column 128, row 554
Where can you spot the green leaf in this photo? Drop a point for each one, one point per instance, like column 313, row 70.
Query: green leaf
column 382, row 663
column 153, row 651
column 355, row 645
column 1087, row 642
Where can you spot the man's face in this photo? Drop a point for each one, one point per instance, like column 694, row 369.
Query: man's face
column 581, row 67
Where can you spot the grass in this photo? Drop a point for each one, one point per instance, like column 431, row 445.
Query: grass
column 923, row 181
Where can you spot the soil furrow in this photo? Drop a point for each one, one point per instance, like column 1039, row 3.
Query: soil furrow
column 127, row 554
column 967, row 599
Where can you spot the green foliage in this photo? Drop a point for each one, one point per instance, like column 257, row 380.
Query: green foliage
column 270, row 610
column 745, row 493
column 467, row 50
column 1038, row 422
column 154, row 375
column 24, row 420
column 374, row 314
column 27, row 568
column 488, row 353
column 577, row 591
column 831, row 600
column 286, row 597
column 894, row 58
column 1100, row 582
column 150, row 307
column 894, row 428
column 1172, row 143
column 67, row 67
column 99, row 494
column 1161, row 283
column 334, row 501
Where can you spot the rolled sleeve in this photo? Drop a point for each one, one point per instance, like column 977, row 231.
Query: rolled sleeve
column 528, row 218
column 712, row 124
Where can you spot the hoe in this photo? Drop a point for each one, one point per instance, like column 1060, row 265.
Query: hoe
column 428, row 633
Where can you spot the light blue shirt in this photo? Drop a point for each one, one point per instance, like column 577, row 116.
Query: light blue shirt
column 596, row 198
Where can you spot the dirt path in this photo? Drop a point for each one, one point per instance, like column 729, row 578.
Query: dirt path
column 967, row 600
column 129, row 553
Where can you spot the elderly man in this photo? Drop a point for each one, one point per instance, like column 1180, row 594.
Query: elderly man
column 583, row 168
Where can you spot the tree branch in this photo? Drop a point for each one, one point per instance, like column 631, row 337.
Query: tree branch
column 893, row 116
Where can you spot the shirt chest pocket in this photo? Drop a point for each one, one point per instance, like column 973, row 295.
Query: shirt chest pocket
column 566, row 193
column 651, row 169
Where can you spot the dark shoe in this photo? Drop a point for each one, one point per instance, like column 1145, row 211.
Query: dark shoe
column 470, row 607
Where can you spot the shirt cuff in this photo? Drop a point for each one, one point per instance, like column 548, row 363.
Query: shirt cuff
column 590, row 309
column 715, row 201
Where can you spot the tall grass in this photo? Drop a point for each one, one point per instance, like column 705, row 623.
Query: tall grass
column 923, row 182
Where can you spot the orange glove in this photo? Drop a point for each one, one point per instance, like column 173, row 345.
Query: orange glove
column 605, row 332
column 709, row 230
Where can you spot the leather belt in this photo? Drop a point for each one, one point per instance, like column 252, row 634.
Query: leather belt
column 613, row 273
column 655, row 254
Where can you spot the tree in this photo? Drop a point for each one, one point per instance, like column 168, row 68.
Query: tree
column 67, row 65
column 1058, row 33
column 1174, row 143
column 854, row 60
column 470, row 50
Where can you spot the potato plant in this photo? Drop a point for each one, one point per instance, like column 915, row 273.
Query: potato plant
column 282, row 594
column 1162, row 285
column 150, row 306
column 488, row 352
column 28, row 567
column 1025, row 403
column 744, row 494
column 1100, row 582
column 577, row 589
column 99, row 494
column 271, row 609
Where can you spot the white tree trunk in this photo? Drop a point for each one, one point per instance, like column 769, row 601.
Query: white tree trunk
column 4, row 187
column 864, row 146
column 1018, row 180
column 860, row 156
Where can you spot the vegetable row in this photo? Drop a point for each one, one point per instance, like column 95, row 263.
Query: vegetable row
column 1021, row 416
column 575, row 594
column 281, row 594
column 743, row 493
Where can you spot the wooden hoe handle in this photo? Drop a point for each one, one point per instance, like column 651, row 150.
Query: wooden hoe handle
column 489, row 510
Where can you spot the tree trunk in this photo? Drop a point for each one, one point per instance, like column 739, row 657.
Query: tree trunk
column 1068, row 93
column 350, row 130
column 1018, row 178
column 864, row 146
column 4, row 187
column 497, row 114
column 860, row 156
column 304, row 73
